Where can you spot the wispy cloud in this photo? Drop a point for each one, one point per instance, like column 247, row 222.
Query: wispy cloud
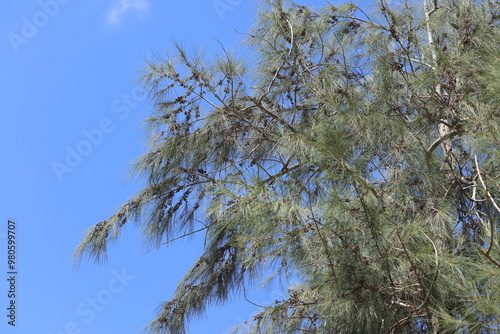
column 120, row 7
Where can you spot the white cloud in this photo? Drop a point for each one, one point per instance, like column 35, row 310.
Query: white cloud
column 121, row 7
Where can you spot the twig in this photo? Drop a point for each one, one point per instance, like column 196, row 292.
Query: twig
column 182, row 236
column 485, row 187
column 486, row 252
column 426, row 299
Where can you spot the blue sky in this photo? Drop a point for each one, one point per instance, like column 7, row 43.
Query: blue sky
column 70, row 124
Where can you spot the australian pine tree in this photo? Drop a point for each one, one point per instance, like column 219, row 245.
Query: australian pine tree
column 353, row 150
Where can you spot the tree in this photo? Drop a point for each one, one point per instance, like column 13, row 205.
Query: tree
column 356, row 153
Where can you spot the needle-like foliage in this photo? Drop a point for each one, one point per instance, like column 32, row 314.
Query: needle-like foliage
column 353, row 149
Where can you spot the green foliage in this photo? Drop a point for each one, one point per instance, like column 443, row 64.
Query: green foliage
column 357, row 153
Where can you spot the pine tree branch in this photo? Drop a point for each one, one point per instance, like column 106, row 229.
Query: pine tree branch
column 441, row 139
column 486, row 252
column 436, row 275
column 485, row 186
column 180, row 237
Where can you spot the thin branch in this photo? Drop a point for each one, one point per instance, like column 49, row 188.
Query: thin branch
column 426, row 299
column 486, row 187
column 486, row 252
column 399, row 324
column 182, row 236
column 248, row 300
